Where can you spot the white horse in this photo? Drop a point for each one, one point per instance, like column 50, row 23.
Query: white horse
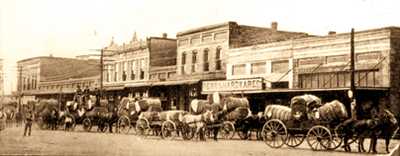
column 197, row 121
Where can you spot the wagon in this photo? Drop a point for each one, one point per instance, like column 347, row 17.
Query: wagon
column 96, row 116
column 235, row 110
column 172, row 125
column 305, row 119
column 130, row 111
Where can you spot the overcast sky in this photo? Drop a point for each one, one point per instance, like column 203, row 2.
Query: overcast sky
column 67, row 28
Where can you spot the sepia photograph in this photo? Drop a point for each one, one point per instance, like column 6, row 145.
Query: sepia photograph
column 199, row 77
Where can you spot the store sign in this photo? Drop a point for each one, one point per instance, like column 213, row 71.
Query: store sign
column 232, row 85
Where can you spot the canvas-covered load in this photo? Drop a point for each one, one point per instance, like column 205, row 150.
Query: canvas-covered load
column 201, row 106
column 124, row 101
column 8, row 101
column 303, row 104
column 278, row 112
column 309, row 101
column 147, row 103
column 231, row 103
column 103, row 102
column 172, row 115
column 47, row 104
column 332, row 111
column 238, row 114
column 150, row 115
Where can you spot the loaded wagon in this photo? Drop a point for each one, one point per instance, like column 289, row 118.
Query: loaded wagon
column 306, row 119
column 173, row 125
column 130, row 114
column 234, row 110
column 97, row 116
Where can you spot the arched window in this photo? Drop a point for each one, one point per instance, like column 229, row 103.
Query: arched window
column 205, row 60
column 194, row 61
column 183, row 60
column 218, row 58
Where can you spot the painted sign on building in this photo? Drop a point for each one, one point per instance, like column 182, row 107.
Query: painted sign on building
column 232, row 85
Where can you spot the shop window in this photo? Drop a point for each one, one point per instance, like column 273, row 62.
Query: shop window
column 275, row 85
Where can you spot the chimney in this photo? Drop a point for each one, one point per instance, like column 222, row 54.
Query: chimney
column 164, row 35
column 274, row 26
column 332, row 33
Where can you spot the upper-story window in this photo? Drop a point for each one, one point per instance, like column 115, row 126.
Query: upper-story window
column 280, row 66
column 258, row 68
column 205, row 60
column 183, row 58
column 142, row 68
column 133, row 70
column 218, row 58
column 221, row 35
column 239, row 69
column 194, row 60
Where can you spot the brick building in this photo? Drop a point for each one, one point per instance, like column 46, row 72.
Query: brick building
column 132, row 67
column 202, row 52
column 48, row 76
column 318, row 65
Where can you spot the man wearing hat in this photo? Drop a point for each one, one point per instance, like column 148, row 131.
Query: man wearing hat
column 28, row 123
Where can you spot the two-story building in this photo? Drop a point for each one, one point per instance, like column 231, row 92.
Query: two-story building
column 132, row 67
column 319, row 65
column 50, row 77
column 203, row 52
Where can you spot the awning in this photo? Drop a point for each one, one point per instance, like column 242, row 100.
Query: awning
column 138, row 84
column 286, row 90
column 171, row 83
column 112, row 88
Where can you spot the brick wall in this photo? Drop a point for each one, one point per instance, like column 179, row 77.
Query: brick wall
column 162, row 52
column 394, row 72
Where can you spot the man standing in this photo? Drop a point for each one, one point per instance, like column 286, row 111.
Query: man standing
column 28, row 123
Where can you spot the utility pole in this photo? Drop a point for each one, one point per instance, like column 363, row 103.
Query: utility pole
column 101, row 72
column 352, row 95
column 20, row 88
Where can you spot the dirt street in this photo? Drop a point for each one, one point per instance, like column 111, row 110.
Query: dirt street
column 12, row 142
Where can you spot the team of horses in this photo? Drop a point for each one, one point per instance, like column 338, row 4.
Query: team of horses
column 381, row 124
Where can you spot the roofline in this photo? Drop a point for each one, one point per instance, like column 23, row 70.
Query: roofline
column 171, row 39
column 312, row 37
column 203, row 28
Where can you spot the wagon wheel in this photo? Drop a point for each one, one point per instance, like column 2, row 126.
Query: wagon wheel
column 244, row 134
column 319, row 138
column 295, row 140
column 123, row 125
column 168, row 129
column 274, row 133
column 336, row 140
column 208, row 132
column 227, row 130
column 87, row 124
column 187, row 131
column 142, row 126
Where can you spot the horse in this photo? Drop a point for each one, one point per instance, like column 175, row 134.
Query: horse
column 384, row 125
column 198, row 122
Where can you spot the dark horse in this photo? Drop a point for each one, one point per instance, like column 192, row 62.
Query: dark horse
column 383, row 125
